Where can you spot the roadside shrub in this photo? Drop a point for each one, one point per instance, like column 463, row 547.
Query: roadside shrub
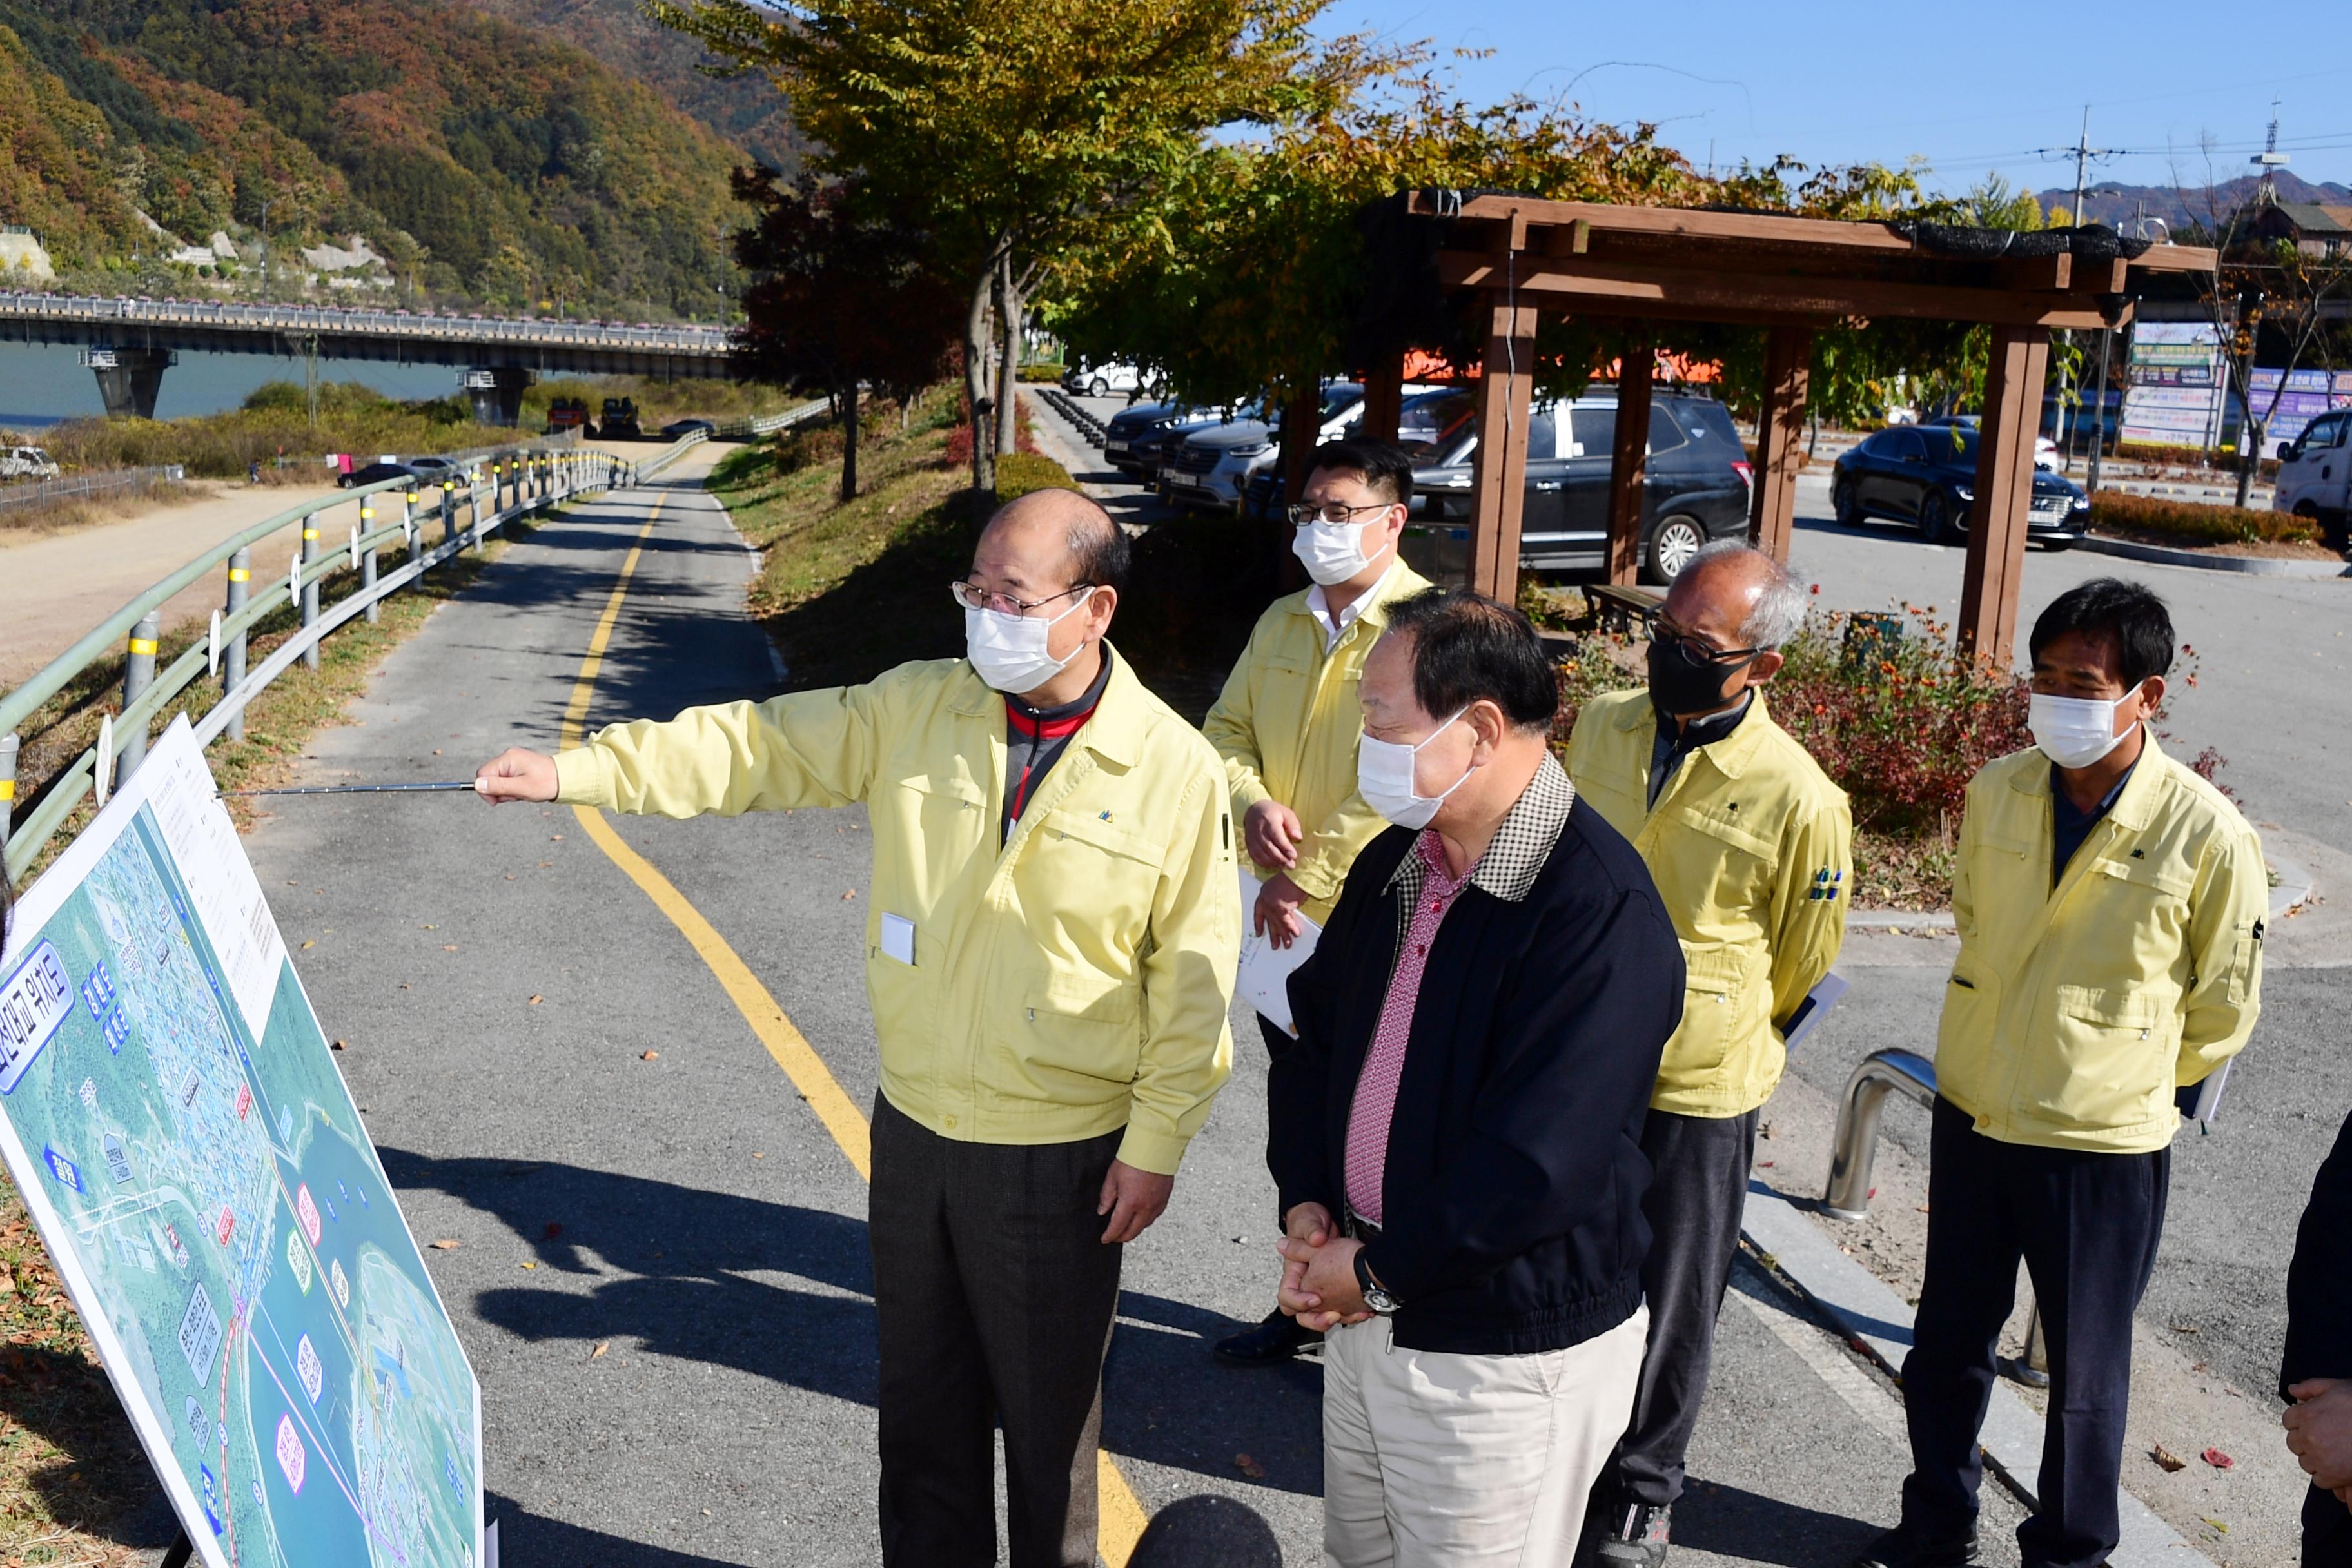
column 1023, row 472
column 2190, row 458
column 1042, row 371
column 1893, row 714
column 2195, row 522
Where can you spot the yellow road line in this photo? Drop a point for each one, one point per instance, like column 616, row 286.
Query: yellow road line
column 1122, row 1518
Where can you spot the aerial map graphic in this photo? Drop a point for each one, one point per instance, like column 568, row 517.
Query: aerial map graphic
column 169, row 1107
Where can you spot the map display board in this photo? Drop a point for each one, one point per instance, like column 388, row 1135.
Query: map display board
column 170, row 1109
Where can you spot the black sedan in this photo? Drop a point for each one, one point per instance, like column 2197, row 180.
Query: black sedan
column 1928, row 476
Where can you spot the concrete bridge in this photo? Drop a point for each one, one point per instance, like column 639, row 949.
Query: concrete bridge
column 130, row 343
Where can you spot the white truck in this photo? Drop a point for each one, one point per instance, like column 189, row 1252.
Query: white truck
column 27, row 463
column 2314, row 475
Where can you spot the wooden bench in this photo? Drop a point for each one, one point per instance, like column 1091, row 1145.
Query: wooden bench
column 1617, row 605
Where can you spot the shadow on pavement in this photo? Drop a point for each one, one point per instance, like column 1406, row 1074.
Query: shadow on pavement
column 1736, row 1523
column 527, row 1539
column 687, row 1256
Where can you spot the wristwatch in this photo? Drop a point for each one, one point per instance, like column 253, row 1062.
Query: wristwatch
column 1376, row 1295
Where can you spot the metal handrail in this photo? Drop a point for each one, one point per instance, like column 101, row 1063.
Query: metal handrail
column 691, row 339
column 531, row 482
column 1855, row 1145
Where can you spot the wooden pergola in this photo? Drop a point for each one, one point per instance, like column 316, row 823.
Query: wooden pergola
column 1794, row 277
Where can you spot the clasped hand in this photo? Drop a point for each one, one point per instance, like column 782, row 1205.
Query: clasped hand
column 1319, row 1274
column 2319, row 1433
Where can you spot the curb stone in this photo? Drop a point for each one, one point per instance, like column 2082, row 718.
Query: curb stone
column 2255, row 565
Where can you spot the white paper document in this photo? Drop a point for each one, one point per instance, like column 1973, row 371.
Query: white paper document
column 1265, row 978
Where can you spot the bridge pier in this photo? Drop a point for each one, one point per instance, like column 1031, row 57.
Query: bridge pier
column 497, row 392
column 128, row 379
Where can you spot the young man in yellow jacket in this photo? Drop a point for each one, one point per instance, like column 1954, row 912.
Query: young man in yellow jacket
column 1751, row 847
column 1051, row 944
column 2110, row 905
column 1287, row 725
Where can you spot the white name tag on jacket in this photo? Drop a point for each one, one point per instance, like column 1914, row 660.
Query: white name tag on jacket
column 1263, row 979
column 898, row 938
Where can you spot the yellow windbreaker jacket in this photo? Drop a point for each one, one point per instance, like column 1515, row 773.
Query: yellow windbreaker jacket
column 2073, row 1014
column 1075, row 980
column 1752, row 849
column 1288, row 726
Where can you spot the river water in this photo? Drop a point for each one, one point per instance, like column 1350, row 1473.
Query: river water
column 41, row 383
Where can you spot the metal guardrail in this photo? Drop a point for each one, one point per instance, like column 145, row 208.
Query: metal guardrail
column 518, row 482
column 80, row 486
column 20, row 304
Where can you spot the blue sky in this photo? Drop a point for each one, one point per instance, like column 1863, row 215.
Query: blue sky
column 1973, row 88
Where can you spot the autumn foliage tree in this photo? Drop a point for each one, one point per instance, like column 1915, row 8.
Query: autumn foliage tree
column 842, row 292
column 1024, row 130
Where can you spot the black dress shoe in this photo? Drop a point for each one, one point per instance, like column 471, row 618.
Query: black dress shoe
column 1276, row 1339
column 1905, row 1547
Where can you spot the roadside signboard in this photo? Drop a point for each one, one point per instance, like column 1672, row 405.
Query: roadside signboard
column 172, row 1113
column 2172, row 396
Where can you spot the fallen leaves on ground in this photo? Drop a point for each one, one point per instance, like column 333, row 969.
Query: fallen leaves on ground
column 536, row 999
column 1250, row 1466
column 554, row 1230
column 602, row 1346
column 849, row 895
column 2166, row 1460
column 340, row 1045
column 648, row 1056
column 309, row 942
column 2217, row 1460
column 446, row 1244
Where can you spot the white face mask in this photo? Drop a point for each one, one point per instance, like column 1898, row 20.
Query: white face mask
column 1332, row 551
column 1009, row 651
column 2073, row 732
column 1384, row 777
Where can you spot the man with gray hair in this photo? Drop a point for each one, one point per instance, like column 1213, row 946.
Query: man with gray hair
column 1751, row 847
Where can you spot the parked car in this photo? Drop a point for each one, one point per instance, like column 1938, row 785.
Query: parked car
column 1121, row 429
column 433, row 469
column 1428, row 416
column 1101, row 380
column 2045, row 450
column 1697, row 485
column 2315, row 476
column 1149, row 447
column 376, row 473
column 27, row 463
column 1926, row 475
column 1212, row 467
column 679, row 430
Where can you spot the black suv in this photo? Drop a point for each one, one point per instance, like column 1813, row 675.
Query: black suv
column 1697, row 491
column 1928, row 474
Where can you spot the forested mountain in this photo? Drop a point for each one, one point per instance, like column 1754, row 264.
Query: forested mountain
column 481, row 159
column 746, row 110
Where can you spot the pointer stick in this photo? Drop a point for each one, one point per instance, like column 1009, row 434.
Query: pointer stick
column 361, row 789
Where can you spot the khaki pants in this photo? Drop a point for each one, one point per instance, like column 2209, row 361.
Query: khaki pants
column 1433, row 1461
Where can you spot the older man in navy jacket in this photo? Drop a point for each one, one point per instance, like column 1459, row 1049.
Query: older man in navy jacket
column 1458, row 1134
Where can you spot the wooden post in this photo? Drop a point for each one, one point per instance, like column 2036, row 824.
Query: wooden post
column 1302, row 422
column 1498, row 485
column 1999, row 517
column 1780, row 440
column 1383, row 400
column 1629, row 460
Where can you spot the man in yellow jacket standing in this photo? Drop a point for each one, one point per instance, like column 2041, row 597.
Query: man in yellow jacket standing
column 1050, row 944
column 1751, row 847
column 2110, row 905
column 1287, row 725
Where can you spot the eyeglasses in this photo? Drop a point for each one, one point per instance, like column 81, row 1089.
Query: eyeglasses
column 973, row 596
column 1698, row 652
column 1330, row 512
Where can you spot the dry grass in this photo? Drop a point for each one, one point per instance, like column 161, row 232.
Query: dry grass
column 66, row 513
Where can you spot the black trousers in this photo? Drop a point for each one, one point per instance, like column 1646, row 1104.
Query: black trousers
column 1699, row 1189
column 2327, row 1531
column 995, row 1296
column 2087, row 1225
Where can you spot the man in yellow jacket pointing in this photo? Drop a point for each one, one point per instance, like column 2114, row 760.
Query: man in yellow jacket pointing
column 2110, row 905
column 1050, row 944
column 1751, row 846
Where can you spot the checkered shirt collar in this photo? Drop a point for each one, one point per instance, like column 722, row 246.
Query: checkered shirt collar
column 1519, row 848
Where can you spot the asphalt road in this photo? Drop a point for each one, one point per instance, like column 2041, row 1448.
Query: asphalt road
column 660, row 1267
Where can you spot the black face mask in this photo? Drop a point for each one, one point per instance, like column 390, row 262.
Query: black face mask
column 1681, row 684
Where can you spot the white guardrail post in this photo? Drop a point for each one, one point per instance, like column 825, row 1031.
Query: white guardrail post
column 309, row 590
column 138, row 670
column 7, row 784
column 366, row 562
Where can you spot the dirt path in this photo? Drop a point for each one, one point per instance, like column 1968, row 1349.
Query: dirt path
column 60, row 586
